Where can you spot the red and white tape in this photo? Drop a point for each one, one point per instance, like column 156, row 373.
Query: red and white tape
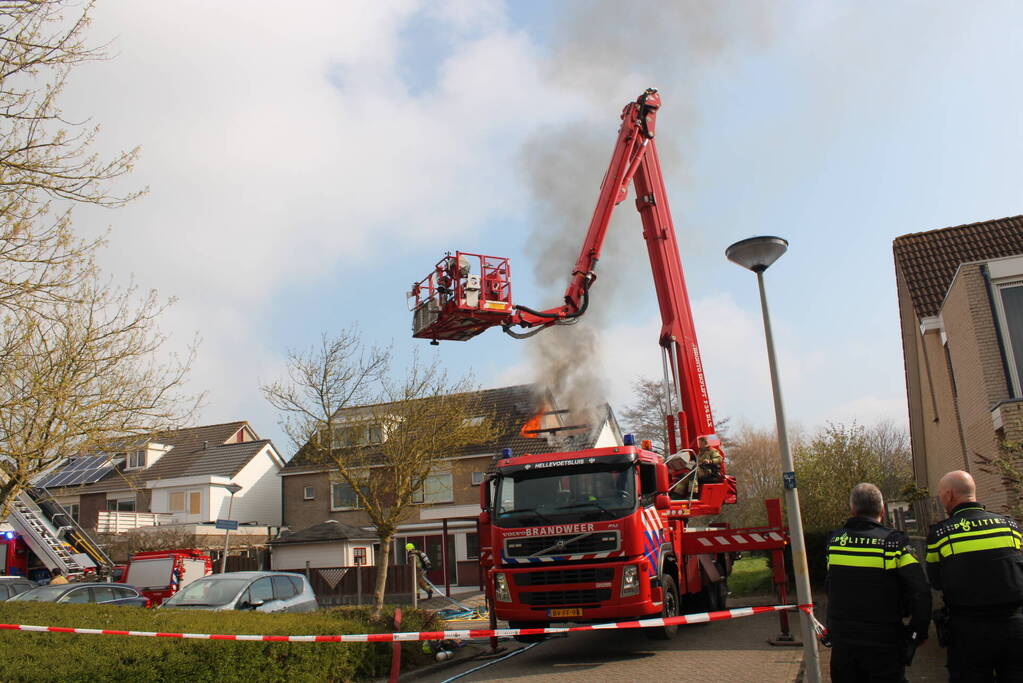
column 467, row 634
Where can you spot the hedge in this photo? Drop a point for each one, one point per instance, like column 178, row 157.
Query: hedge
column 72, row 657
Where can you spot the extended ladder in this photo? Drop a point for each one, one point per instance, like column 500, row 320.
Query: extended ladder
column 44, row 538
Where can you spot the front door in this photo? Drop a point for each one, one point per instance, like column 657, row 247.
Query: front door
column 433, row 549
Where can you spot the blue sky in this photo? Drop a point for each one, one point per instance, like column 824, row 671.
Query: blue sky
column 305, row 168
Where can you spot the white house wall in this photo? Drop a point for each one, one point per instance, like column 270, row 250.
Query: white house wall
column 319, row 555
column 260, row 498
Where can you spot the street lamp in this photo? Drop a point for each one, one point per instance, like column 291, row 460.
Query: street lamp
column 232, row 489
column 757, row 254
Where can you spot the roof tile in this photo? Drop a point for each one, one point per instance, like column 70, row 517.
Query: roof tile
column 928, row 260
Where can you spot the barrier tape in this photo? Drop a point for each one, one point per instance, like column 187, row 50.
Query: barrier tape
column 465, row 634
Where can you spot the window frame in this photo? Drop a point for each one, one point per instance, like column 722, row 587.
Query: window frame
column 364, row 555
column 483, row 475
column 334, row 507
column 308, row 493
column 132, row 460
column 420, row 497
column 1002, row 322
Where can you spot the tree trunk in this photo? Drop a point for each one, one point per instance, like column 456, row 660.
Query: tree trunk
column 382, row 559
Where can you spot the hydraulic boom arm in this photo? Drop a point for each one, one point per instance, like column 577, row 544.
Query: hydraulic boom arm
column 450, row 304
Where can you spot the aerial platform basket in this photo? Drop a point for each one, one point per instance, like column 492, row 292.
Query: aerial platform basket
column 464, row 295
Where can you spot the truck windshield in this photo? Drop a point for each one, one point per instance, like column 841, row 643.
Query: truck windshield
column 594, row 491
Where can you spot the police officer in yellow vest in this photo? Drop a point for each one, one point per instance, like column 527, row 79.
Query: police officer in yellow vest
column 873, row 583
column 974, row 558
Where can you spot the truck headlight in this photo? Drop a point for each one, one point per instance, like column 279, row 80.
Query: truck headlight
column 501, row 592
column 630, row 580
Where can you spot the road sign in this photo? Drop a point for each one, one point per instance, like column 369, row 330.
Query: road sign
column 229, row 524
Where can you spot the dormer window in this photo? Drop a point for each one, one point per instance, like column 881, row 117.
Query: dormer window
column 136, row 460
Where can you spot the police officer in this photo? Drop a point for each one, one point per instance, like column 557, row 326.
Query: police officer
column 873, row 582
column 974, row 558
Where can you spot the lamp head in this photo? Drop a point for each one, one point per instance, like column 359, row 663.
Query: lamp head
column 757, row 253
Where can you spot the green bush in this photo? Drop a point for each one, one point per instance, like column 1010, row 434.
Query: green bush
column 816, row 556
column 73, row 657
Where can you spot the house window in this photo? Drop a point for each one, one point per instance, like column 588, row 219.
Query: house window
column 121, row 505
column 365, row 434
column 437, row 488
column 1009, row 303
column 477, row 478
column 472, row 546
column 342, row 496
column 73, row 510
column 136, row 460
column 186, row 501
column 308, row 493
column 359, row 556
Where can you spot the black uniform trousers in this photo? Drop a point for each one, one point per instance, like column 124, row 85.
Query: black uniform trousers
column 859, row 663
column 982, row 650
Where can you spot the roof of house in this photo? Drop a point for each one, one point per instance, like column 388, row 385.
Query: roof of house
column 928, row 260
column 324, row 532
column 194, row 451
column 510, row 408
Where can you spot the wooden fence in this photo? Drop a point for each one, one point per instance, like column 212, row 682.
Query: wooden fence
column 354, row 585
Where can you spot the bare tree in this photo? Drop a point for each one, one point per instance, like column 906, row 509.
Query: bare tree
column 382, row 436
column 44, row 156
column 77, row 380
column 645, row 417
column 78, row 359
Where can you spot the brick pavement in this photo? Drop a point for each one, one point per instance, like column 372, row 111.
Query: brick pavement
column 734, row 650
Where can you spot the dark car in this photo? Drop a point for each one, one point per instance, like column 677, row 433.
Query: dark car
column 100, row 593
column 12, row 585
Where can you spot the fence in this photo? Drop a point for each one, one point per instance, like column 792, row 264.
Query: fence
column 354, row 585
column 111, row 522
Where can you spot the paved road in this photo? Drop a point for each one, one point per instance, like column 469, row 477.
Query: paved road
column 734, row 650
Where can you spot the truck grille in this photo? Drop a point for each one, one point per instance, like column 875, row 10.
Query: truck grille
column 595, row 542
column 555, row 598
column 556, row 576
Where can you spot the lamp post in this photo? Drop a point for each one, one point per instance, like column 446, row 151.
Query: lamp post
column 757, row 254
column 233, row 489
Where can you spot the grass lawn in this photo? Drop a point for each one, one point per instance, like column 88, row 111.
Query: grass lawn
column 750, row 576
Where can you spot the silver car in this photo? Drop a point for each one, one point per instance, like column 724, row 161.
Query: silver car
column 259, row 591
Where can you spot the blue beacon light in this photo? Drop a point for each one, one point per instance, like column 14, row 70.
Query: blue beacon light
column 629, row 440
column 506, row 453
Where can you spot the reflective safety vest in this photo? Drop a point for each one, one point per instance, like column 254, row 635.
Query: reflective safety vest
column 974, row 558
column 874, row 581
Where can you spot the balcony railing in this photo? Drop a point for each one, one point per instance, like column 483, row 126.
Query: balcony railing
column 116, row 522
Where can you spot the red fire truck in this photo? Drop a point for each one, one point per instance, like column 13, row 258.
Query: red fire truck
column 604, row 534
column 160, row 574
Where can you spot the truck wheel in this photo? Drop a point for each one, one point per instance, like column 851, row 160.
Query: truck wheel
column 534, row 638
column 669, row 608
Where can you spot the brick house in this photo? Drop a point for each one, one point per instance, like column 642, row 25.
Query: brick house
column 960, row 295
column 178, row 477
column 526, row 420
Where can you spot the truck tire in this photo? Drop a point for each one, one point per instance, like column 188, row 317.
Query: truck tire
column 711, row 598
column 669, row 608
column 535, row 638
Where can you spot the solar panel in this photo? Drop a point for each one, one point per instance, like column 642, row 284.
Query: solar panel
column 87, row 469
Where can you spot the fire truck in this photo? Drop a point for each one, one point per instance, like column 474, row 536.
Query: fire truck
column 604, row 534
column 160, row 574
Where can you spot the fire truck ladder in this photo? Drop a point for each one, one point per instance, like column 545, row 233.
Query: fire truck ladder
column 42, row 537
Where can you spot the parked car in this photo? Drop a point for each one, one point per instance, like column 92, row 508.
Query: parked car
column 100, row 593
column 12, row 585
column 259, row 591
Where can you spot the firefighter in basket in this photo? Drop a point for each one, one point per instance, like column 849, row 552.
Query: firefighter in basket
column 423, row 565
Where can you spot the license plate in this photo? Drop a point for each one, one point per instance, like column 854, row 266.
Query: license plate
column 570, row 612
